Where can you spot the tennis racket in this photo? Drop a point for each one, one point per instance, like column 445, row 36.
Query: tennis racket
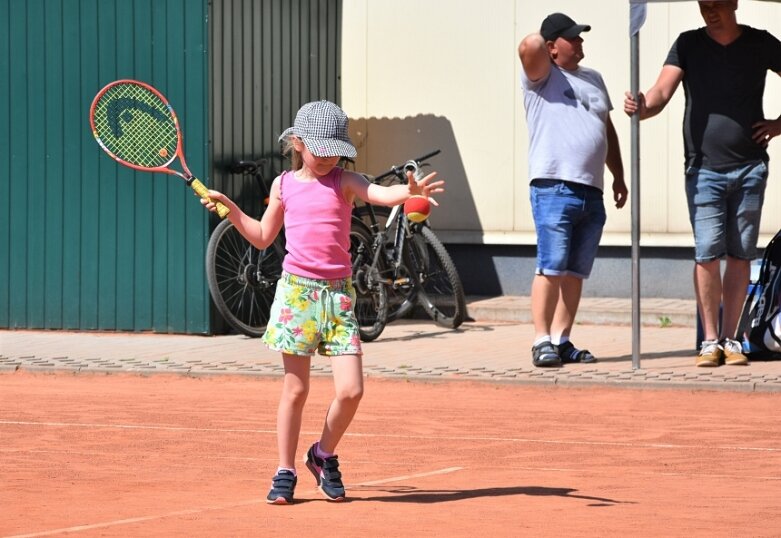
column 137, row 127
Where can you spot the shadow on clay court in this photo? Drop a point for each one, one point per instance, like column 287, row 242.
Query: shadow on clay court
column 412, row 495
column 658, row 355
column 437, row 332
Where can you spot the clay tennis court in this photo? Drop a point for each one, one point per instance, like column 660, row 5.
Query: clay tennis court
column 168, row 455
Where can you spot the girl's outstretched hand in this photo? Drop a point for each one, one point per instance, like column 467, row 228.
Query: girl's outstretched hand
column 425, row 186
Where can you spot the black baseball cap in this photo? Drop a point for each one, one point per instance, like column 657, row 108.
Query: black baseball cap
column 559, row 25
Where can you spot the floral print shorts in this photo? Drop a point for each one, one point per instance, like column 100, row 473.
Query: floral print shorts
column 310, row 315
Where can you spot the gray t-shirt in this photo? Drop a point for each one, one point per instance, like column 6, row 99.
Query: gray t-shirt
column 567, row 115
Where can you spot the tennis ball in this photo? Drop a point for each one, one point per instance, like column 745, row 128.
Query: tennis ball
column 417, row 208
column 164, row 152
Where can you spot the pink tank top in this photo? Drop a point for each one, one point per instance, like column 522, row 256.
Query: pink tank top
column 317, row 226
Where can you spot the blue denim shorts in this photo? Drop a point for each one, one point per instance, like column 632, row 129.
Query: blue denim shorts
column 569, row 218
column 725, row 209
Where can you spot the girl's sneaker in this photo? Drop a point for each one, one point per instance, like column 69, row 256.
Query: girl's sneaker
column 326, row 471
column 282, row 487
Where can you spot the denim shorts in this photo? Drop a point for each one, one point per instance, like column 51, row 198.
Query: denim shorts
column 569, row 218
column 725, row 209
column 310, row 315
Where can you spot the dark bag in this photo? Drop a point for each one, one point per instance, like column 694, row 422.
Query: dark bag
column 760, row 322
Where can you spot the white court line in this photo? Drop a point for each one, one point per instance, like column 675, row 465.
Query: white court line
column 407, row 477
column 397, row 436
column 130, row 427
column 192, row 511
column 141, row 519
column 139, row 453
column 590, row 470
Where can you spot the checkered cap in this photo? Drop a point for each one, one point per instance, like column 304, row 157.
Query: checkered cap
column 323, row 127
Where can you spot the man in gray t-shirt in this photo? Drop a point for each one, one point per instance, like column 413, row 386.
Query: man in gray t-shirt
column 571, row 139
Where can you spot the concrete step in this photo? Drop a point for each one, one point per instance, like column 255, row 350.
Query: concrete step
column 592, row 310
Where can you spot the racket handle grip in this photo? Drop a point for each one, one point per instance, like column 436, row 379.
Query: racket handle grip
column 203, row 192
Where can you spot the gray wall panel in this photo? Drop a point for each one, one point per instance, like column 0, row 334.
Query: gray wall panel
column 268, row 57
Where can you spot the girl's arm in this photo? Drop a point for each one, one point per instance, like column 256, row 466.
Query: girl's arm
column 261, row 233
column 355, row 185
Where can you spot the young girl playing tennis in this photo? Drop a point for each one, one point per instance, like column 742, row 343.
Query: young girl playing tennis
column 313, row 305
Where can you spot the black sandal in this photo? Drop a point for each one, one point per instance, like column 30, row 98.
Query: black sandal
column 570, row 354
column 544, row 355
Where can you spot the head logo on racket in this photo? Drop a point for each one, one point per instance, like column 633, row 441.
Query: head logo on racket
column 137, row 127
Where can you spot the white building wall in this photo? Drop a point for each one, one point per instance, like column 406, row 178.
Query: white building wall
column 424, row 74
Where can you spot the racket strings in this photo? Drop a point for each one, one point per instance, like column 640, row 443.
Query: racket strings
column 136, row 126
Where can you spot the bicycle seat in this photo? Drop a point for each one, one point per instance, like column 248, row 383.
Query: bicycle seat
column 245, row 167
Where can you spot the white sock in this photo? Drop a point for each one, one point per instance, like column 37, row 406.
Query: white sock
column 542, row 339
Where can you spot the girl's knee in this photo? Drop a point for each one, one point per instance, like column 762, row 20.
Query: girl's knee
column 296, row 395
column 353, row 394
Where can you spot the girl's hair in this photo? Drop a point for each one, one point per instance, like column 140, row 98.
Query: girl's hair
column 296, row 161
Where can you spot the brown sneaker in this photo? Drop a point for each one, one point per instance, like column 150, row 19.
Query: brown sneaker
column 733, row 353
column 710, row 354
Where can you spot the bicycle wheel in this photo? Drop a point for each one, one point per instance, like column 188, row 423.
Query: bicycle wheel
column 402, row 296
column 242, row 279
column 371, row 303
column 440, row 292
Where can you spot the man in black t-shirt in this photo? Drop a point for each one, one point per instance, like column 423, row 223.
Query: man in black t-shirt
column 723, row 67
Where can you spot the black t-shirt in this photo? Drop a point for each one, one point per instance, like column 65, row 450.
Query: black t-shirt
column 724, row 86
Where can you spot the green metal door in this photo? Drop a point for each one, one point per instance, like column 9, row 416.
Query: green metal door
column 88, row 244
column 85, row 242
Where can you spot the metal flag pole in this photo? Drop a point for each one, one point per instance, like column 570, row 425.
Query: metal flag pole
column 635, row 199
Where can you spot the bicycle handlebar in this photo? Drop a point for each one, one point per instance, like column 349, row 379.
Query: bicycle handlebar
column 247, row 167
column 253, row 166
column 397, row 170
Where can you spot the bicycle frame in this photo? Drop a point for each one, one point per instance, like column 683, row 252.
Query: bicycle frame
column 388, row 264
column 381, row 240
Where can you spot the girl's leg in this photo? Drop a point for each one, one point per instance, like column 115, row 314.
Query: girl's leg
column 295, row 389
column 348, row 382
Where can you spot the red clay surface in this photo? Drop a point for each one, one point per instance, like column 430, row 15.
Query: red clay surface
column 124, row 455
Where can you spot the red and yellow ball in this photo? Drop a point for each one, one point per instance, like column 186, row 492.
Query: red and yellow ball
column 417, row 208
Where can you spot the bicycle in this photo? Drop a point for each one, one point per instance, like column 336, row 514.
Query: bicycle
column 242, row 278
column 398, row 264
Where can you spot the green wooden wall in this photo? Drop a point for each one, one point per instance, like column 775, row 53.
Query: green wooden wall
column 84, row 242
column 88, row 244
